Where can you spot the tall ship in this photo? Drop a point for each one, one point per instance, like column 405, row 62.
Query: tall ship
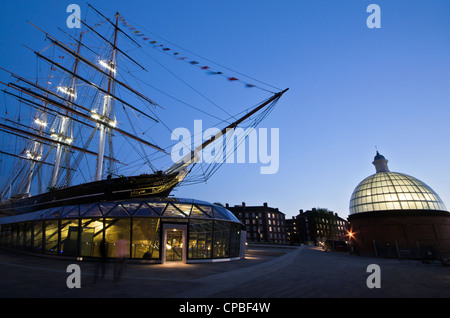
column 70, row 135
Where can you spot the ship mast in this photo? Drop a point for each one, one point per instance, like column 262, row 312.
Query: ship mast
column 64, row 124
column 106, row 111
column 62, row 105
column 35, row 154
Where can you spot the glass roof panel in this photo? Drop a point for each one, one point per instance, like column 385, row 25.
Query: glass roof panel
column 158, row 207
column 93, row 211
column 117, row 210
column 145, row 210
column 207, row 209
column 172, row 211
column 70, row 211
column 197, row 213
column 132, row 206
column 393, row 191
column 183, row 207
column 218, row 214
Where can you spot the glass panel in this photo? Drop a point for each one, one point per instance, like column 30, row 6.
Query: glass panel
column 116, row 229
column 93, row 211
column 85, row 208
column 197, row 213
column 220, row 214
column 397, row 206
column 70, row 212
column 172, row 211
column 20, row 236
column 221, row 239
column 200, row 239
column 206, row 209
column 14, row 235
column 52, row 213
column 117, row 210
column 185, row 208
column 69, row 237
column 131, row 207
column 51, row 237
column 145, row 210
column 235, row 240
column 158, row 207
column 6, row 235
column 411, row 205
column 146, row 233
column 37, row 236
column 91, row 237
column 174, row 247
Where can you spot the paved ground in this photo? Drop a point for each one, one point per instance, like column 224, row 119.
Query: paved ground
column 303, row 272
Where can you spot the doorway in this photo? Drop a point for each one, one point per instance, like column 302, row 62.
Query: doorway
column 174, row 243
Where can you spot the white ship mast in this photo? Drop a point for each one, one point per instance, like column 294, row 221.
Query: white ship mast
column 107, row 106
column 62, row 134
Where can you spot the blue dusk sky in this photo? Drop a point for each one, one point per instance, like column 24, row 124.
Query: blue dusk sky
column 351, row 88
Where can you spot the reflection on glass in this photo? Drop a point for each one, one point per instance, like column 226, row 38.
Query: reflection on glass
column 200, row 239
column 91, row 236
column 145, row 238
column 221, row 239
column 114, row 230
column 37, row 236
column 69, row 237
column 51, row 237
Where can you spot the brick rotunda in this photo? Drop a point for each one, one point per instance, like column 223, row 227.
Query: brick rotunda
column 395, row 215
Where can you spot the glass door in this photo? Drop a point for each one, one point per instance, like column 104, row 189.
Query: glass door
column 174, row 245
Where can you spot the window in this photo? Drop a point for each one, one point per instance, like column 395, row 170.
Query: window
column 146, row 233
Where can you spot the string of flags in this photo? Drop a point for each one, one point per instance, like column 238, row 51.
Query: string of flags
column 149, row 40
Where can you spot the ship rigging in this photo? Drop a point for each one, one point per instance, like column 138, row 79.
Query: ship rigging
column 62, row 147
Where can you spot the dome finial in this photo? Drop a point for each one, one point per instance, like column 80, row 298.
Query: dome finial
column 380, row 163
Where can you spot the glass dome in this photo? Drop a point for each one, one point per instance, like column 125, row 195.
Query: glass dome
column 387, row 190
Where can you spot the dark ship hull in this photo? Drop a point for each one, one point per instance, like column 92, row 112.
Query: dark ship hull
column 151, row 185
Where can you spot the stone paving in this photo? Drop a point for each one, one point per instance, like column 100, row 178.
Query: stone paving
column 276, row 272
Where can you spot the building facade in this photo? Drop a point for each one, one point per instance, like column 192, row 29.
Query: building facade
column 317, row 226
column 263, row 224
column 292, row 231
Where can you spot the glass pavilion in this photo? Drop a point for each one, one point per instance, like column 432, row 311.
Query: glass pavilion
column 156, row 229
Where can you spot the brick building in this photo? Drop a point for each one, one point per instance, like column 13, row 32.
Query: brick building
column 317, row 225
column 262, row 223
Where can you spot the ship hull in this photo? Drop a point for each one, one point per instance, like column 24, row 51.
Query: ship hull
column 151, row 185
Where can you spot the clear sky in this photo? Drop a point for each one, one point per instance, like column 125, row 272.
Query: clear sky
column 351, row 88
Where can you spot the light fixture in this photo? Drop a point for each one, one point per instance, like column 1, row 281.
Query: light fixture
column 67, row 90
column 40, row 122
column 108, row 65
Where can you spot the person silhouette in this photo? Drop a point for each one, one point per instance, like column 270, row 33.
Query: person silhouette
column 121, row 252
column 101, row 265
